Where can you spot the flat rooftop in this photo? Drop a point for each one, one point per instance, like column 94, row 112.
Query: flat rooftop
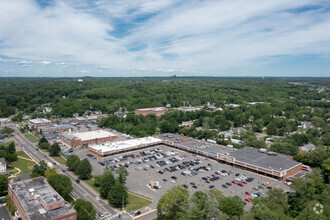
column 124, row 145
column 54, row 127
column 39, row 120
column 252, row 156
column 194, row 144
column 88, row 135
column 152, row 109
column 31, row 203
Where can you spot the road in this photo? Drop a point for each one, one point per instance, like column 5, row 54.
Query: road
column 80, row 190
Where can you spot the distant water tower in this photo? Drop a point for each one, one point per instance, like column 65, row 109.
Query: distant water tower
column 80, row 81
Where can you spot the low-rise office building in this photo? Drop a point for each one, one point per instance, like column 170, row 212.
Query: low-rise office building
column 39, row 122
column 87, row 138
column 158, row 111
column 36, row 199
column 54, row 129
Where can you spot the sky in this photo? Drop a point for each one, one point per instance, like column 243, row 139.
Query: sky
column 112, row 38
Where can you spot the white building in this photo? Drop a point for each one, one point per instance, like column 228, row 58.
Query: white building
column 3, row 165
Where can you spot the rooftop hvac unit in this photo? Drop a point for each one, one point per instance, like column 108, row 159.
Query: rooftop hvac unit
column 262, row 150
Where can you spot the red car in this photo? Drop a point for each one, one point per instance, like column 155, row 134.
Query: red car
column 233, row 181
column 244, row 182
column 247, row 199
column 240, row 184
column 247, row 193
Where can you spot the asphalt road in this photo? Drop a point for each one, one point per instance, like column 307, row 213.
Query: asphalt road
column 80, row 190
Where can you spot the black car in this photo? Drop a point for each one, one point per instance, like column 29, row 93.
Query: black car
column 174, row 177
column 63, row 171
column 165, row 180
column 269, row 187
column 204, row 178
column 137, row 213
column 207, row 181
column 185, row 186
column 77, row 181
column 211, row 186
column 229, row 184
column 237, row 174
column 192, row 183
column 194, row 186
column 224, row 186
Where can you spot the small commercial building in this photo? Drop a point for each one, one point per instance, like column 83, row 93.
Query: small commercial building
column 36, row 199
column 158, row 111
column 110, row 148
column 54, row 129
column 87, row 138
column 39, row 122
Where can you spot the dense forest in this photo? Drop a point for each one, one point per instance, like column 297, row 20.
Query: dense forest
column 67, row 96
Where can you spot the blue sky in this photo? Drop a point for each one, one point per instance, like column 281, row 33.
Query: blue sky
column 164, row 37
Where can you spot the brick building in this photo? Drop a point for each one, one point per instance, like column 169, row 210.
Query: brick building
column 39, row 122
column 158, row 111
column 87, row 138
column 54, row 129
column 36, row 199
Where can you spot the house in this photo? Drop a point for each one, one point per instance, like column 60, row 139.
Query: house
column 36, row 199
column 3, row 166
column 306, row 125
column 187, row 124
column 307, row 148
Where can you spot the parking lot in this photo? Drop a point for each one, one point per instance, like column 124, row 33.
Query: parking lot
column 163, row 167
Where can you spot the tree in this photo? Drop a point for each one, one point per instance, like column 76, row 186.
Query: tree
column 11, row 148
column 85, row 210
column 231, row 206
column 3, row 184
column 106, row 182
column 43, row 140
column 72, row 162
column 54, row 149
column 39, row 170
column 122, row 174
column 7, row 131
column 11, row 157
column 117, row 193
column 326, row 170
column 84, row 169
column 62, row 184
column 173, row 203
column 271, row 129
column 318, row 122
column 201, row 207
column 44, row 145
column 50, row 172
column 10, row 204
column 258, row 125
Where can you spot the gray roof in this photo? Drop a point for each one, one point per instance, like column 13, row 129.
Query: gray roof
column 50, row 128
column 32, row 205
column 308, row 147
column 253, row 157
column 68, row 135
column 2, row 160
column 4, row 215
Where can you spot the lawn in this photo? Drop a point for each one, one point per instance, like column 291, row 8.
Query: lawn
column 22, row 164
column 31, row 138
column 59, row 159
column 135, row 201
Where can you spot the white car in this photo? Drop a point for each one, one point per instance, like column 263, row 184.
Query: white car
column 238, row 179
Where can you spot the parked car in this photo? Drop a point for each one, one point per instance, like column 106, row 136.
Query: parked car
column 247, row 199
column 240, row 184
column 233, row 181
column 137, row 213
column 247, row 193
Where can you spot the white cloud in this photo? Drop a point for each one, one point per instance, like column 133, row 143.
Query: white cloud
column 45, row 62
column 181, row 36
